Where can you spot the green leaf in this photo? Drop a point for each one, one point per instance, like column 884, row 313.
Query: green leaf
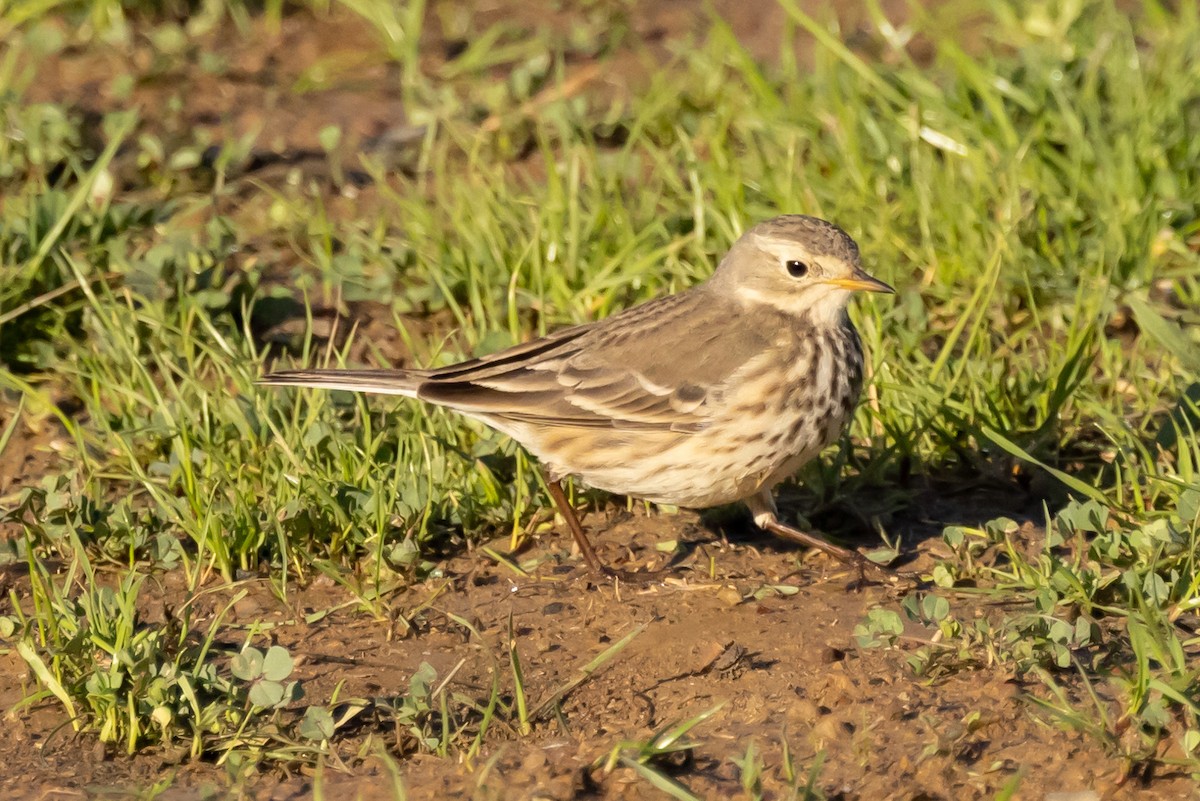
column 45, row 676
column 1155, row 714
column 954, row 536
column 316, row 434
column 277, row 665
column 1155, row 589
column 886, row 621
column 1167, row 334
column 1086, row 631
column 1188, row 507
column 660, row 781
column 1061, row 631
column 266, row 694
column 878, row 621
column 403, row 553
column 1000, row 527
column 247, row 665
column 1008, row 445
column 1090, row 516
column 317, row 724
column 942, row 575
column 883, row 556
column 935, row 607
column 422, row 680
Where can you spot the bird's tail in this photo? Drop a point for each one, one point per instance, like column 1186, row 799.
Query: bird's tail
column 383, row 382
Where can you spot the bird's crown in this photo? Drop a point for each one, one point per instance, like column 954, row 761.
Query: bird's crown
column 818, row 236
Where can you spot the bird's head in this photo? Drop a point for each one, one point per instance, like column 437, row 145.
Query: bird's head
column 801, row 265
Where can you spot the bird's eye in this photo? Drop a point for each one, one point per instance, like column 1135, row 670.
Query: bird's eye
column 797, row 269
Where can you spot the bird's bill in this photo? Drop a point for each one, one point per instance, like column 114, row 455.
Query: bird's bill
column 861, row 282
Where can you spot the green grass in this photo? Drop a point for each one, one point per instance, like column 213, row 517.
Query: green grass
column 1024, row 196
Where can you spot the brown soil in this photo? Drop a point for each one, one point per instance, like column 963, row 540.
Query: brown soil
column 782, row 666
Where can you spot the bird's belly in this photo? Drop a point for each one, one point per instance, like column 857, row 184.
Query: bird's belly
column 694, row 470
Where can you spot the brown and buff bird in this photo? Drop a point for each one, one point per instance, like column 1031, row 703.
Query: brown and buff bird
column 702, row 398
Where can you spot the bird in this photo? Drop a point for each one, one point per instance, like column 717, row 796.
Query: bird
column 701, row 398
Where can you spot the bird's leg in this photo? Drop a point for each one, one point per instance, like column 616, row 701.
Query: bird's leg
column 766, row 516
column 585, row 545
column 568, row 513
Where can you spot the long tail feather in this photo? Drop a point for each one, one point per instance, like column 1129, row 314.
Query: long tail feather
column 383, row 382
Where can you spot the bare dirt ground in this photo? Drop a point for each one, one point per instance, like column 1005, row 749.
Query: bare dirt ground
column 781, row 663
column 782, row 666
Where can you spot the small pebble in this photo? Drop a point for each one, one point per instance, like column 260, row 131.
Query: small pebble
column 729, row 595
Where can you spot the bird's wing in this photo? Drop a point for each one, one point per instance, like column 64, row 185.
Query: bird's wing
column 663, row 365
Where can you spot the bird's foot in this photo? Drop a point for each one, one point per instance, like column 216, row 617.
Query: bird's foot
column 865, row 566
